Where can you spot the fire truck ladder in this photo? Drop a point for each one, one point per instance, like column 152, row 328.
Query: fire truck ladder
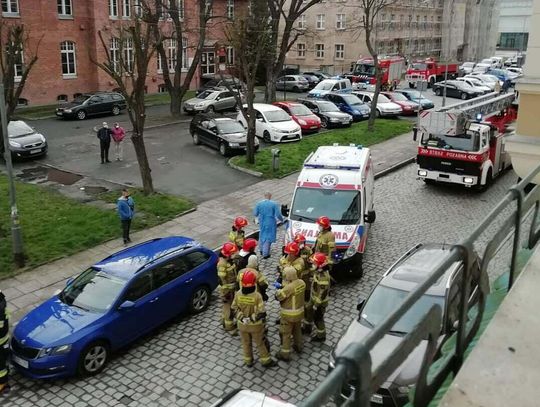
column 487, row 105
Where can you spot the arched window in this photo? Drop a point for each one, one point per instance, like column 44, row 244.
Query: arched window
column 69, row 64
column 62, row 98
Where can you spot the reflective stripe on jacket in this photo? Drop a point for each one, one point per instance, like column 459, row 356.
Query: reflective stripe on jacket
column 291, row 297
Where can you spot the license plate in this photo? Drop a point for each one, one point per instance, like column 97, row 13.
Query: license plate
column 36, row 151
column 59, row 113
column 376, row 398
column 19, row 361
column 189, row 107
column 313, row 127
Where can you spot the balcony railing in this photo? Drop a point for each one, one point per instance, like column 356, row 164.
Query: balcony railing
column 354, row 364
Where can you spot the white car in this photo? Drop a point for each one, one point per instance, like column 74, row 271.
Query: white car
column 476, row 84
column 467, row 67
column 481, row 68
column 385, row 107
column 514, row 70
column 273, row 124
column 488, row 80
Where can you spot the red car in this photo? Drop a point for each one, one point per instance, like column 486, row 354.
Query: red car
column 408, row 107
column 305, row 118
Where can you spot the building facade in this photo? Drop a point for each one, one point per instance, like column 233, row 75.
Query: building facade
column 514, row 24
column 65, row 34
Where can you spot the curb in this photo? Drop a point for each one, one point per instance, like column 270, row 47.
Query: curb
column 395, row 167
column 244, row 170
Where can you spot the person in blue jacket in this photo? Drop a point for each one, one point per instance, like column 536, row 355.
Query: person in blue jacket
column 126, row 209
column 268, row 214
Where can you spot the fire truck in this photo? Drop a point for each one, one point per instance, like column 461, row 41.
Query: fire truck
column 429, row 70
column 465, row 143
column 363, row 71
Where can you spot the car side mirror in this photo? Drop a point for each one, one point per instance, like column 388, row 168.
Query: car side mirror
column 260, row 119
column 126, row 305
column 285, row 210
column 361, row 302
column 414, row 133
column 370, row 217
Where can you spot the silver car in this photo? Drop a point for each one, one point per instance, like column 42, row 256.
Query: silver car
column 24, row 141
column 211, row 100
column 294, row 83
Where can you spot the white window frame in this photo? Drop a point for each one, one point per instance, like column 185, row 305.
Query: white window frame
column 114, row 53
column 68, row 49
column 62, row 6
column 137, row 8
column 321, row 18
column 340, row 21
column 340, row 53
column 230, row 55
column 185, row 54
column 302, row 22
column 301, row 50
column 126, row 9
column 230, row 9
column 10, row 11
column 129, row 55
column 113, row 8
column 319, row 51
column 172, row 56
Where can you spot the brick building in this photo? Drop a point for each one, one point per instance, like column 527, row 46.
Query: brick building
column 68, row 35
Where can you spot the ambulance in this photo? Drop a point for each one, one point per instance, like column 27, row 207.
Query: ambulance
column 335, row 181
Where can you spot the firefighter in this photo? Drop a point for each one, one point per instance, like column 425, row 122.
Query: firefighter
column 291, row 298
column 4, row 344
column 227, row 283
column 307, row 274
column 305, row 251
column 320, row 289
column 248, row 307
column 326, row 241
column 248, row 250
column 291, row 257
column 262, row 284
column 237, row 234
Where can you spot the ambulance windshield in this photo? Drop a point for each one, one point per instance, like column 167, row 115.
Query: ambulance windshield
column 470, row 141
column 342, row 207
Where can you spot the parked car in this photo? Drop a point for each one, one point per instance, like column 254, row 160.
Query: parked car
column 350, row 104
column 249, row 398
column 481, row 68
column 475, row 83
column 114, row 302
column 212, row 80
column 318, row 74
column 466, row 68
column 515, row 70
column 492, row 62
column 408, row 107
column 330, row 85
column 385, row 107
column 273, row 124
column 402, row 278
column 328, row 112
column 456, row 89
column 305, row 118
column 417, row 97
column 312, row 80
column 293, row 83
column 211, row 100
column 24, row 141
column 223, row 133
column 488, row 80
column 503, row 76
column 91, row 104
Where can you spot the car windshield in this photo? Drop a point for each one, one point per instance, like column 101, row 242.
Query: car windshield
column 364, row 69
column 385, row 300
column 19, row 129
column 469, row 141
column 342, row 207
column 352, row 100
column 300, row 110
column 468, row 64
column 324, row 86
column 80, row 99
column 93, row 291
column 414, row 94
column 419, row 66
column 383, row 99
column 207, row 94
column 399, row 97
column 327, row 107
column 230, row 126
column 274, row 116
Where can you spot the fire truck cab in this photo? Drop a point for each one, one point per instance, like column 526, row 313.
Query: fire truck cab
column 363, row 72
column 338, row 182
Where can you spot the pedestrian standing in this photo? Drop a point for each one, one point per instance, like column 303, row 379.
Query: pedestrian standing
column 104, row 136
column 4, row 344
column 126, row 209
column 267, row 215
column 497, row 87
column 118, row 135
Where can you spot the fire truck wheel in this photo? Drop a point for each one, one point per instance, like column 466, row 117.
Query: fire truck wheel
column 429, row 181
column 411, row 85
column 489, row 181
column 356, row 266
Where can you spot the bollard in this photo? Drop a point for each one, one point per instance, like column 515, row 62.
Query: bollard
column 275, row 159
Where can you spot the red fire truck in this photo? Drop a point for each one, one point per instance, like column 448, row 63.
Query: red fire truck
column 363, row 71
column 429, row 70
column 464, row 143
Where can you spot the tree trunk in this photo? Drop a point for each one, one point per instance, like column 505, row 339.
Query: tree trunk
column 137, row 139
column 176, row 95
column 250, row 148
column 270, row 91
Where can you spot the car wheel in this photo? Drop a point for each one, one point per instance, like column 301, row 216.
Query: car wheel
column 93, row 358
column 210, row 109
column 377, row 113
column 81, row 115
column 295, row 89
column 115, row 110
column 356, row 268
column 438, row 92
column 464, row 96
column 223, row 149
column 266, row 137
column 196, row 140
column 431, row 82
column 324, row 122
column 199, row 300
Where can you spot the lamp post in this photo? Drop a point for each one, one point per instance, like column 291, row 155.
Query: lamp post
column 18, row 253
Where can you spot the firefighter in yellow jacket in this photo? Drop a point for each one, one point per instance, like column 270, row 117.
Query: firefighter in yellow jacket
column 227, row 283
column 248, row 307
column 320, row 291
column 4, row 344
column 291, row 298
column 291, row 257
column 253, row 266
column 326, row 241
column 237, row 234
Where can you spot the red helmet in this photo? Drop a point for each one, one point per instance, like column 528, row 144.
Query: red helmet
column 324, row 221
column 249, row 279
column 319, row 259
column 240, row 222
column 249, row 245
column 292, row 248
column 229, row 249
column 299, row 238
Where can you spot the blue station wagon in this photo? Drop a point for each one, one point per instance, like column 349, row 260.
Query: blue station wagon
column 111, row 304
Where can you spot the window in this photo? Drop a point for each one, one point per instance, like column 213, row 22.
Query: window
column 340, row 51
column 319, row 50
column 208, row 4
column 18, row 60
column 141, row 286
column 320, row 21
column 62, row 98
column 230, row 55
column 113, row 8
column 114, row 53
column 137, row 8
column 169, row 271
column 301, row 50
column 179, row 4
column 171, row 54
column 126, row 10
column 162, row 88
column 64, row 7
column 10, row 6
column 340, row 21
column 196, row 258
column 230, row 9
column 302, row 22
column 67, row 52
column 128, row 54
column 185, row 54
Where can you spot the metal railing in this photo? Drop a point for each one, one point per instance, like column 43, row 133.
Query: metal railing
column 354, row 364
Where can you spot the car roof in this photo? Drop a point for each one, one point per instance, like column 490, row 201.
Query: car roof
column 264, row 107
column 125, row 263
column 287, row 103
column 416, row 265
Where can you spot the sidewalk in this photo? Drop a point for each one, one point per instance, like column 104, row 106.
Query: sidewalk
column 209, row 224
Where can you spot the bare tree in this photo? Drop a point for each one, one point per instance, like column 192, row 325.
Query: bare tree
column 251, row 36
column 134, row 45
column 287, row 11
column 176, row 76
